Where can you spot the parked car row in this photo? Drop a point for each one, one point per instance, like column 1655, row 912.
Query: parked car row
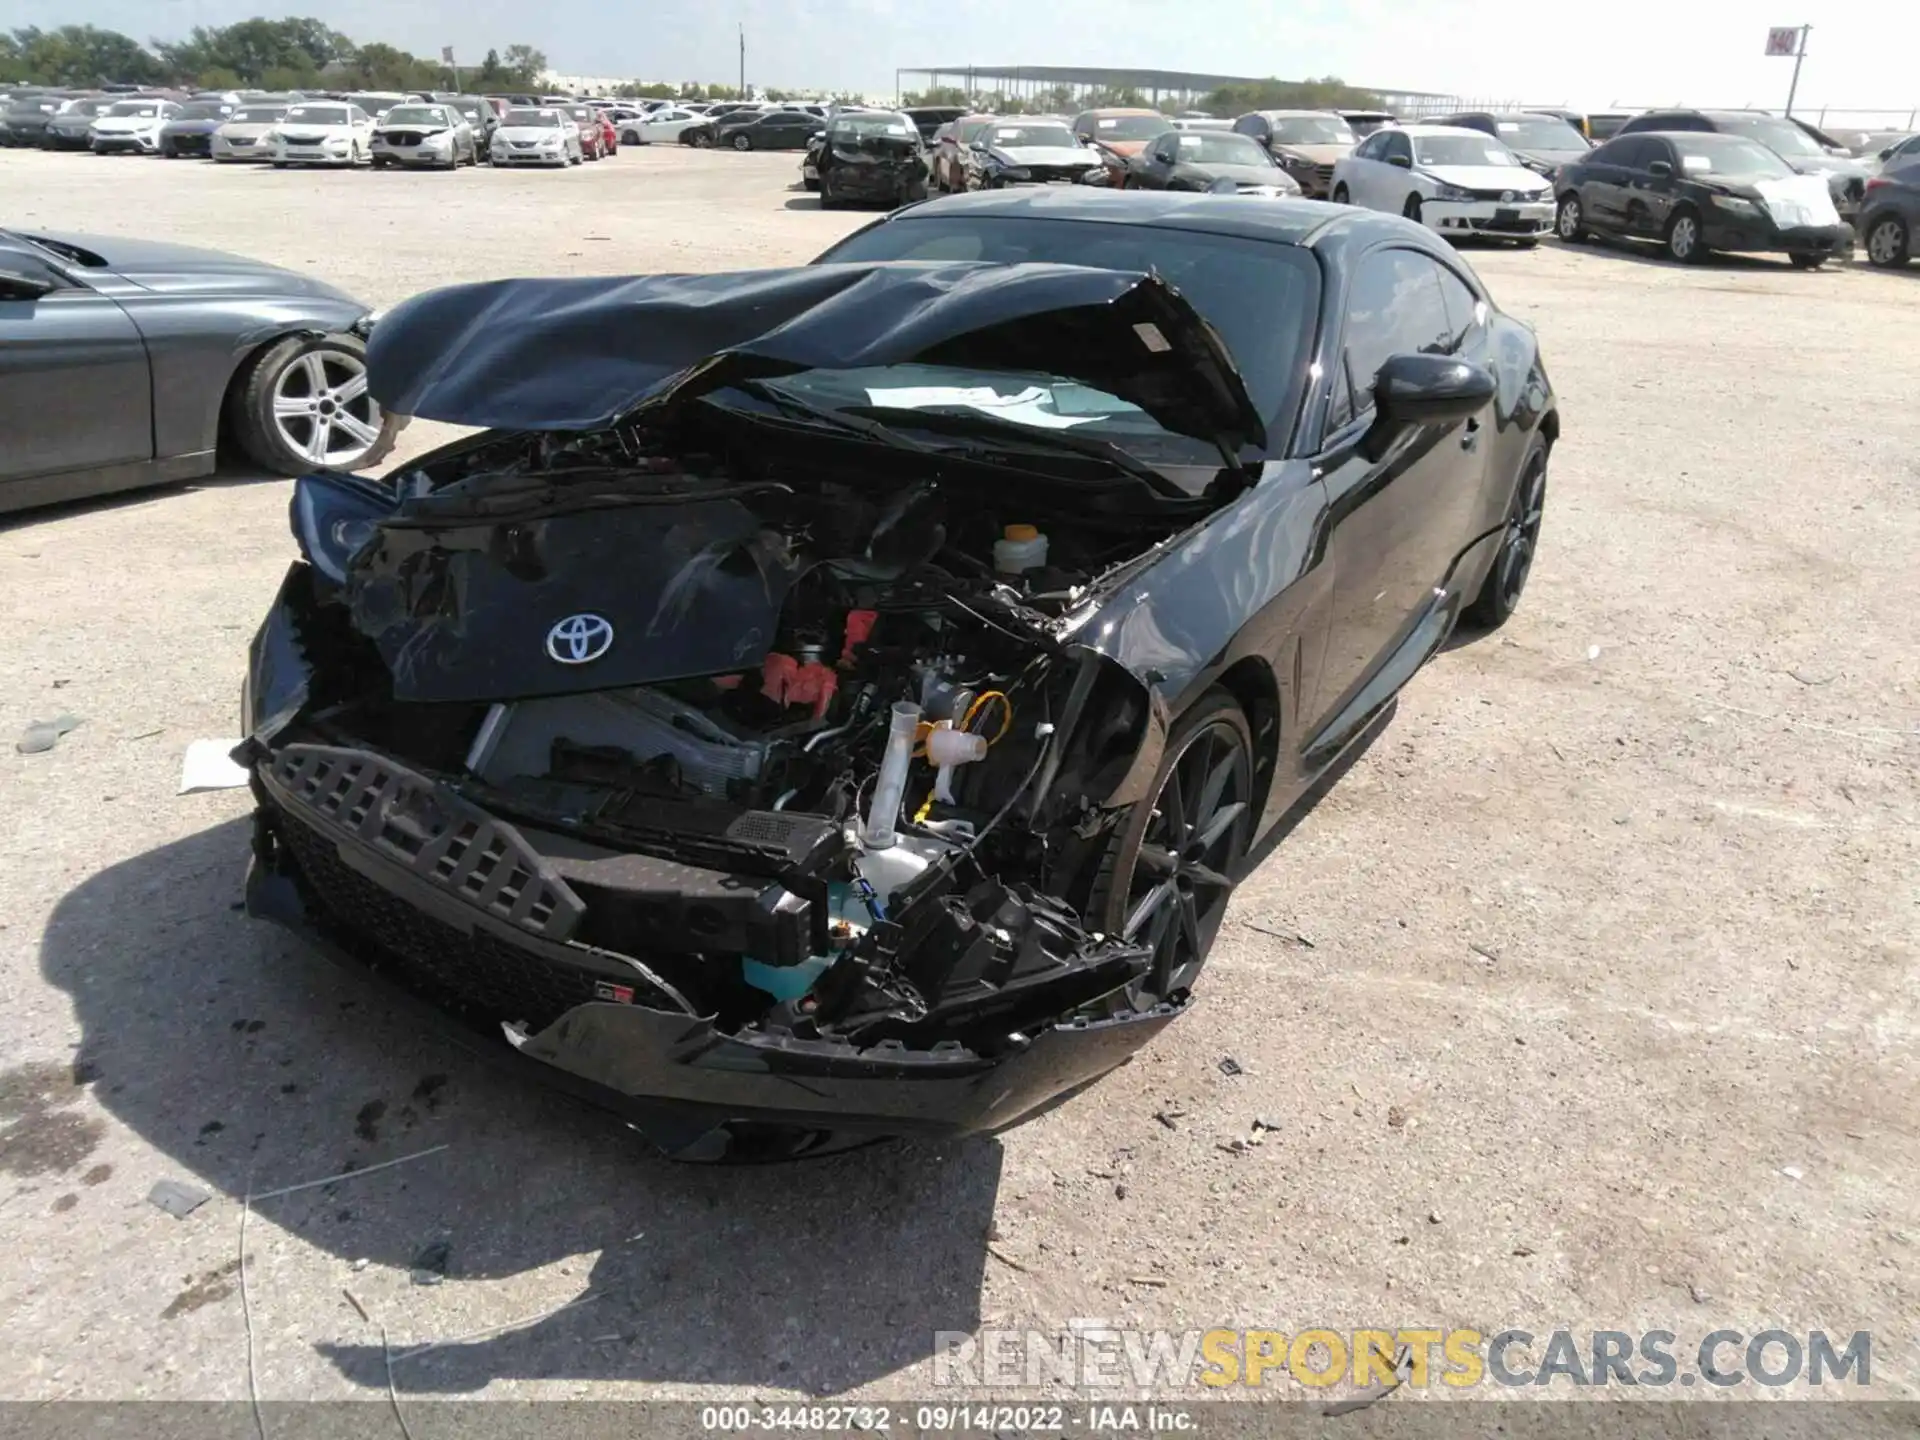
column 417, row 131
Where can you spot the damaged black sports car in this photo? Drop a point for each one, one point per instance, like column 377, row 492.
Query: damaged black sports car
column 839, row 701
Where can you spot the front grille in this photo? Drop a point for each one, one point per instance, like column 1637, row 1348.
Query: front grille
column 191, row 142
column 241, row 140
column 451, row 845
column 402, row 139
column 473, row 974
column 305, row 139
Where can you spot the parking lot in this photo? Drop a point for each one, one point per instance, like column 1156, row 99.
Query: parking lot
column 1587, row 998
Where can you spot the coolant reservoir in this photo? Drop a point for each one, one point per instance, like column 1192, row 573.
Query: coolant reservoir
column 1021, row 548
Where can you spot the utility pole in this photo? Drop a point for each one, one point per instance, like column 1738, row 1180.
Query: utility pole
column 1799, row 55
column 743, row 59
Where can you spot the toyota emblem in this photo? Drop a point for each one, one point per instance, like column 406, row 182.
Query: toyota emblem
column 579, row 639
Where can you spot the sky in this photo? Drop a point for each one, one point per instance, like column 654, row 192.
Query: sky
column 1861, row 54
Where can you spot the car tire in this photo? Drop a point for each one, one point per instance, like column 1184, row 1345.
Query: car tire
column 308, row 368
column 1411, row 210
column 1806, row 260
column 379, row 163
column 1889, row 243
column 1683, row 240
column 279, row 164
column 1570, row 221
column 1530, row 242
column 1341, row 195
column 743, row 143
column 1156, row 851
column 1506, row 578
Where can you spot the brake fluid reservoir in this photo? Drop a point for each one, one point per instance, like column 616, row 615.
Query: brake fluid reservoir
column 1021, row 548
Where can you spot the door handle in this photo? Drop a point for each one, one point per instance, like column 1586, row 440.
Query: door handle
column 1470, row 440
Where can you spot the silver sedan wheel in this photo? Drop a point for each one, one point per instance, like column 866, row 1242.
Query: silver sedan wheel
column 323, row 411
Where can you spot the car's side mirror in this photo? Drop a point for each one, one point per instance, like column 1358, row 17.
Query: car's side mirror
column 23, row 285
column 1413, row 390
column 1660, row 170
column 1403, row 162
column 1885, row 154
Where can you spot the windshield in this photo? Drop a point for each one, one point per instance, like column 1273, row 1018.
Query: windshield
column 1261, row 297
column 133, row 107
column 1034, row 136
column 1716, row 155
column 531, row 117
column 1780, row 136
column 1129, row 127
column 257, row 114
column 852, row 127
column 85, row 107
column 1312, row 130
column 416, row 115
column 1460, row 150
column 204, row 110
column 33, row 107
column 318, row 114
column 1206, row 147
column 1538, row 132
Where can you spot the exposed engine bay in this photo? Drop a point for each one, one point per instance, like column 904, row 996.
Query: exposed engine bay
column 791, row 737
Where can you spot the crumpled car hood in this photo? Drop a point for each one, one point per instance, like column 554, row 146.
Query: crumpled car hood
column 577, row 354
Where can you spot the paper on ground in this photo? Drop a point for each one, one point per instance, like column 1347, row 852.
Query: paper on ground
column 209, row 766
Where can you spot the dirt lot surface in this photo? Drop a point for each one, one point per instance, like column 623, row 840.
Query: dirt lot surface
column 1586, row 999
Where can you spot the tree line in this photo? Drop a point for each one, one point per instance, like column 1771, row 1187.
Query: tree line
column 1331, row 93
column 291, row 54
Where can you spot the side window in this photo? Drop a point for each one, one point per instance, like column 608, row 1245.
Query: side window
column 1628, row 154
column 1394, row 308
column 1397, row 145
column 1463, row 309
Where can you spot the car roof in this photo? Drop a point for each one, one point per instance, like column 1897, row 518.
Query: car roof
column 1299, row 114
column 1281, row 222
column 1118, row 110
column 1418, row 130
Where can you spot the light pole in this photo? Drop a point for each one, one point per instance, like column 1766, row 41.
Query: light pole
column 1799, row 54
column 743, row 59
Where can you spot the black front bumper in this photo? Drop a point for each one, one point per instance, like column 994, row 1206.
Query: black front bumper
column 1763, row 235
column 674, row 1076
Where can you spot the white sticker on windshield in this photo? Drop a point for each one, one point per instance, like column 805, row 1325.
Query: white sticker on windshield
column 1151, row 337
column 1696, row 162
column 1507, row 127
column 1107, row 124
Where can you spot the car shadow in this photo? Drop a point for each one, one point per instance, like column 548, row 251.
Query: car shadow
column 250, row 1063
column 1311, row 797
column 804, row 201
column 1647, row 252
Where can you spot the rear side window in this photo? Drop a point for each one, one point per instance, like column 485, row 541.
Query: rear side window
column 1394, row 308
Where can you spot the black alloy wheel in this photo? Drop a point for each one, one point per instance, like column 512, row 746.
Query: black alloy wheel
column 1340, row 194
column 1506, row 580
column 1166, row 881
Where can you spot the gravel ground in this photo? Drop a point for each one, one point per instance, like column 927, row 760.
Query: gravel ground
column 1586, row 999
